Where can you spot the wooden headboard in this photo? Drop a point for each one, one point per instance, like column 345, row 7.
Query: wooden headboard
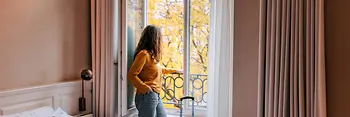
column 64, row 95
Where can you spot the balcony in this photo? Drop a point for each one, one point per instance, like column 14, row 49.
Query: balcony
column 174, row 89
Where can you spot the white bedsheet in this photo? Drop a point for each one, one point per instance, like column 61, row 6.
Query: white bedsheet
column 45, row 111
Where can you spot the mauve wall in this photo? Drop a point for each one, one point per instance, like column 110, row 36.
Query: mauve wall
column 337, row 35
column 43, row 41
column 246, row 45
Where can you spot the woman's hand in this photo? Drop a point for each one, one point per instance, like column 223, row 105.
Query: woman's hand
column 150, row 90
column 179, row 72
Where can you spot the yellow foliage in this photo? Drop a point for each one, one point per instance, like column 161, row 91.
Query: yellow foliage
column 168, row 15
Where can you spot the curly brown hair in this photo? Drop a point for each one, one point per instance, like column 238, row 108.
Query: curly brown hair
column 151, row 41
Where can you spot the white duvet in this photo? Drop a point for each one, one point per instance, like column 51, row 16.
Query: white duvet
column 45, row 111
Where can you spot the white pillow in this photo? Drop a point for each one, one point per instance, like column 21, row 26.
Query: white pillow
column 60, row 113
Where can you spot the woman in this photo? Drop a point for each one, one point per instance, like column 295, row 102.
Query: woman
column 145, row 74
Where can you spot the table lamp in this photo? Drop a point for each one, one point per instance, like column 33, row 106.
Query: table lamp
column 85, row 74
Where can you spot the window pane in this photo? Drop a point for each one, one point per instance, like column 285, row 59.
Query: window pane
column 168, row 15
column 134, row 29
column 135, row 19
column 199, row 27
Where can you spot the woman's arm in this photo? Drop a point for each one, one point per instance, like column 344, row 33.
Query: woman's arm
column 170, row 71
column 135, row 69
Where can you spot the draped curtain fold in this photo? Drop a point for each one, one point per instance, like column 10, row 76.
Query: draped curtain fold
column 291, row 59
column 220, row 76
column 102, row 57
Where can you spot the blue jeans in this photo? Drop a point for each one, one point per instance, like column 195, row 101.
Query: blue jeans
column 150, row 105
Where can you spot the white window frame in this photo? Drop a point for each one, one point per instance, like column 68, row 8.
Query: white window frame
column 121, row 29
column 122, row 50
column 187, row 51
column 122, row 59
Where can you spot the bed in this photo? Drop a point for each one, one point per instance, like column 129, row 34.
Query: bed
column 44, row 100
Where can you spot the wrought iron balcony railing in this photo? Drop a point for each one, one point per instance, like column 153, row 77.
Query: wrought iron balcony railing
column 173, row 89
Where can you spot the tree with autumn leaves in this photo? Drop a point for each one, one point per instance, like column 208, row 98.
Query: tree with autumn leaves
column 168, row 15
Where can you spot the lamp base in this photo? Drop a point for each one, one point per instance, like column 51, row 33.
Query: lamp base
column 82, row 104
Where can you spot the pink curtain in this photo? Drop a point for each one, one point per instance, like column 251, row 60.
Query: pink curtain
column 102, row 57
column 291, row 59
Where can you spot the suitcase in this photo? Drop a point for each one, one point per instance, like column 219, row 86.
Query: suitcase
column 180, row 104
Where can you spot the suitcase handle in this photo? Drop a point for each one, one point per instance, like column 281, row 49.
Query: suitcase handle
column 180, row 104
column 186, row 97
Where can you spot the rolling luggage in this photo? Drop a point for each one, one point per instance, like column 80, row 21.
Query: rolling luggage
column 180, row 104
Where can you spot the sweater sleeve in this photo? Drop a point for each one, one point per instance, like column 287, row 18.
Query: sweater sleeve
column 168, row 70
column 135, row 69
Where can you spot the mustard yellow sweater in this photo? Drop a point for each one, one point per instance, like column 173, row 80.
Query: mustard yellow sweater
column 144, row 73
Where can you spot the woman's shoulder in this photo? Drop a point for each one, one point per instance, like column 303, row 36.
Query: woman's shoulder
column 143, row 52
